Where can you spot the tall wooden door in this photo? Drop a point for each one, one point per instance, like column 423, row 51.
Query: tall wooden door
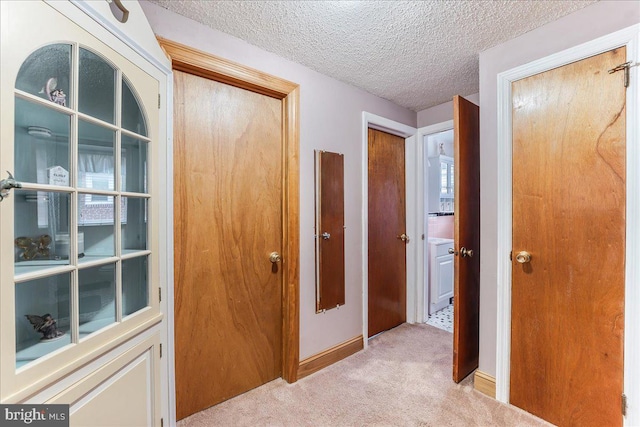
column 466, row 278
column 387, row 238
column 228, row 220
column 569, row 242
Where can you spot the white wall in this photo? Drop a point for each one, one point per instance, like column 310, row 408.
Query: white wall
column 330, row 119
column 442, row 113
column 595, row 20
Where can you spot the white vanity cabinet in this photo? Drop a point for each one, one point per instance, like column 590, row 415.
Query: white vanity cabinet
column 80, row 237
column 440, row 273
column 441, row 185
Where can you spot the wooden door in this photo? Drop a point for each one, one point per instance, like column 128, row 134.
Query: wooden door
column 228, row 220
column 387, row 252
column 466, row 235
column 569, row 213
column 330, row 230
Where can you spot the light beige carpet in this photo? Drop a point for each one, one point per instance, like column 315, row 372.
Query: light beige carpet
column 402, row 379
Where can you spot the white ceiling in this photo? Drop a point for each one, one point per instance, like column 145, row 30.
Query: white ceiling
column 415, row 53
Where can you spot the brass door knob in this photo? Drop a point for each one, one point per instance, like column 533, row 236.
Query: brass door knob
column 404, row 238
column 464, row 252
column 523, row 257
column 275, row 257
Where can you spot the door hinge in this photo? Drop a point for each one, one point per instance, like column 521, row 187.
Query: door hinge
column 159, row 294
column 158, row 100
column 161, row 350
column 623, row 67
column 161, row 422
column 624, row 405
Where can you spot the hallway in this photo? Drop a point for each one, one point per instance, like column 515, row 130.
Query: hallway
column 402, row 379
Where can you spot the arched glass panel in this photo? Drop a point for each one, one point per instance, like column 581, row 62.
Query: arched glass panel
column 37, row 301
column 96, row 156
column 134, row 224
column 134, row 165
column 47, row 73
column 132, row 115
column 135, row 288
column 41, row 144
column 97, row 302
column 96, row 87
column 79, row 166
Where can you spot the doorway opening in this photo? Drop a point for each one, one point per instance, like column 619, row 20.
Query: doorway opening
column 438, row 217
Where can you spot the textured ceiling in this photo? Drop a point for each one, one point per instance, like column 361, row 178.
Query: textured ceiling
column 415, row 53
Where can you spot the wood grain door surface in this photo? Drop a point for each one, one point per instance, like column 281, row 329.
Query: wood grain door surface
column 331, row 260
column 387, row 253
column 227, row 220
column 466, row 231
column 569, row 214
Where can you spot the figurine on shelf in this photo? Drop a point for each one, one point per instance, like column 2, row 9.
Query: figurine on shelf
column 55, row 95
column 32, row 248
column 46, row 325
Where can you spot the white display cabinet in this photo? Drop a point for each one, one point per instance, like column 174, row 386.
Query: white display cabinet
column 441, row 267
column 80, row 134
column 441, row 185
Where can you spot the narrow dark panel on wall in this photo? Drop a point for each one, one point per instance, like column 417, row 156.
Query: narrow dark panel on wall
column 329, row 230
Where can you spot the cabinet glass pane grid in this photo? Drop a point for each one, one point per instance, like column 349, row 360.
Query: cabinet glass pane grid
column 74, row 264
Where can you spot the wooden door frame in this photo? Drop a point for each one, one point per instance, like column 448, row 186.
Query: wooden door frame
column 629, row 37
column 383, row 124
column 193, row 61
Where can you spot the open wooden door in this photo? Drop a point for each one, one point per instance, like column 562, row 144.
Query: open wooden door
column 466, row 292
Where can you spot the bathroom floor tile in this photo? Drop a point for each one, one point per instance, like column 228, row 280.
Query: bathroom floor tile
column 442, row 319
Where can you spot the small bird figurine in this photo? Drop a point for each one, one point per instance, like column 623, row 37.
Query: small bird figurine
column 46, row 325
column 36, row 247
column 55, row 95
column 6, row 185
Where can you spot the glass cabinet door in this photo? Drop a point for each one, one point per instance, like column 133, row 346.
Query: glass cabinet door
column 444, row 178
column 77, row 261
column 83, row 176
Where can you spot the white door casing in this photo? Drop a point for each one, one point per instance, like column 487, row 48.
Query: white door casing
column 629, row 37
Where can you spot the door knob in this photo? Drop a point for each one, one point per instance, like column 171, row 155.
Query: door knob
column 464, row 252
column 6, row 185
column 523, row 257
column 275, row 257
column 404, row 238
column 326, row 236
column 453, row 252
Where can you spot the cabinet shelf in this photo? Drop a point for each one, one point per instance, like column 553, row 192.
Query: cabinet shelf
column 36, row 349
column 27, row 267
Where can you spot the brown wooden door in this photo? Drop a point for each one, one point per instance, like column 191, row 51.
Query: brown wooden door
column 466, row 235
column 228, row 219
column 387, row 252
column 569, row 214
column 330, row 230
